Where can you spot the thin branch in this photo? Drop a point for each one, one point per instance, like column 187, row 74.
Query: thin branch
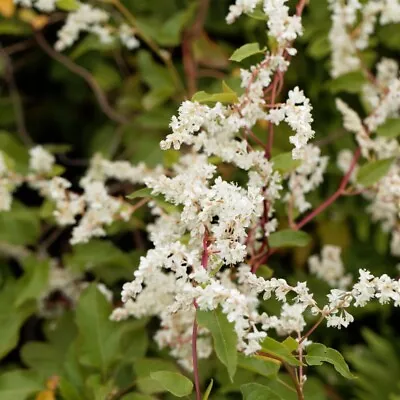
column 290, row 371
column 312, row 329
column 86, row 75
column 19, row 46
column 189, row 61
column 339, row 192
column 195, row 362
column 16, row 100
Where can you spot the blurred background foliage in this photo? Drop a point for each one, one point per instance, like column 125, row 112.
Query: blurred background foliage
column 80, row 354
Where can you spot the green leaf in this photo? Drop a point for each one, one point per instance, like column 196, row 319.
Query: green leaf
column 224, row 337
column 279, row 350
column 284, row 162
column 137, row 396
column 208, row 391
column 258, row 14
column 319, row 47
column 227, row 89
column 351, row 82
column 171, row 30
column 390, row 129
column 89, row 43
column 175, row 383
column 34, row 281
column 156, row 97
column 42, row 358
column 20, row 225
column 106, row 75
column 134, row 340
column 145, row 192
column 11, row 317
column 160, row 200
column 143, row 367
column 67, row 5
column 15, row 150
column 158, row 78
column 373, row 171
column 317, row 353
column 289, row 238
column 100, row 337
column 18, row 385
column 388, row 36
column 255, row 391
column 68, row 391
column 14, row 27
column 262, row 367
column 98, row 254
column 224, row 97
column 291, row 344
column 265, row 272
column 245, row 51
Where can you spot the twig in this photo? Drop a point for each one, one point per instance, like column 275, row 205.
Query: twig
column 189, row 61
column 83, row 73
column 49, row 240
column 339, row 192
column 195, row 362
column 19, row 46
column 290, row 371
column 312, row 329
column 16, row 100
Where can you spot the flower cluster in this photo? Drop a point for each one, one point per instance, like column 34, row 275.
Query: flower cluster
column 85, row 19
column 210, row 235
column 353, row 22
column 329, row 267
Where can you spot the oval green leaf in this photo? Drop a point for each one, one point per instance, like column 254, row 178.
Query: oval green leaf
column 373, row 171
column 224, row 337
column 173, row 382
column 289, row 238
column 317, row 353
column 390, row 129
column 245, row 51
column 284, row 162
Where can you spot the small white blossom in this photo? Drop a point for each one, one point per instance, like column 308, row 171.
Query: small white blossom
column 41, row 161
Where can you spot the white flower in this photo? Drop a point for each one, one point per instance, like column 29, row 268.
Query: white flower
column 41, row 161
column 330, row 267
column 127, row 37
column 85, row 19
column 240, row 7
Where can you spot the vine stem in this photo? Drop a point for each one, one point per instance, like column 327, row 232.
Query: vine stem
column 188, row 58
column 195, row 361
column 339, row 192
column 312, row 329
column 204, row 263
column 86, row 75
column 290, row 371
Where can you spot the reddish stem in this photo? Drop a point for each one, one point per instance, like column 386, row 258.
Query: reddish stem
column 339, row 192
column 194, row 357
column 204, row 263
column 204, row 256
column 300, row 7
column 268, row 149
column 335, row 195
